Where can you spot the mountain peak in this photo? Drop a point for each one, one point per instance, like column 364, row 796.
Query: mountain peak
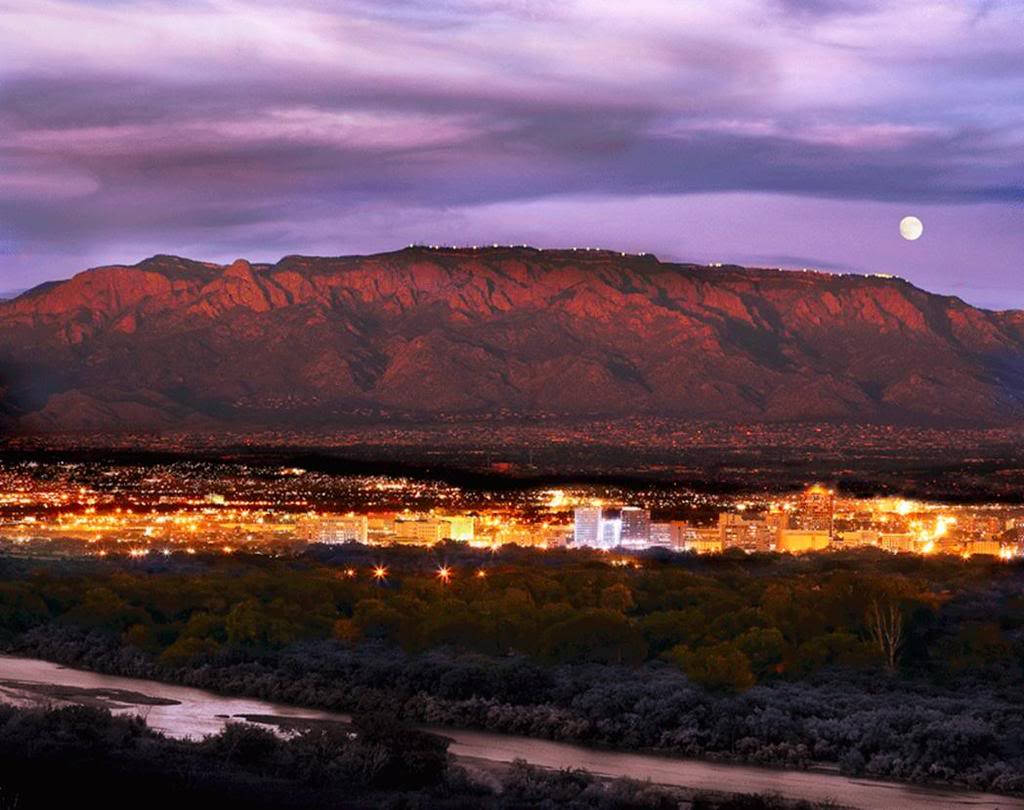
column 239, row 267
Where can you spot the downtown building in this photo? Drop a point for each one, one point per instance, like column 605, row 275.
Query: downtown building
column 347, row 529
column 635, row 527
column 596, row 527
column 750, row 535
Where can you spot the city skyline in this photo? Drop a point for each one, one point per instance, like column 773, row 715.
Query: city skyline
column 135, row 511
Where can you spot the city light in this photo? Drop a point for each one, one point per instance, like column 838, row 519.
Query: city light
column 444, row 574
column 164, row 510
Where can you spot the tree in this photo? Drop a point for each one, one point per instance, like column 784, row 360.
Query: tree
column 598, row 636
column 722, row 667
column 347, row 631
column 764, row 649
column 617, row 597
column 375, row 619
column 667, row 628
column 885, row 624
column 187, row 650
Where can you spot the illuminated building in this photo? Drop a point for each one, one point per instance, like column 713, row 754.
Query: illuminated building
column 603, row 528
column 635, row 531
column 814, row 510
column 796, row 541
column 661, row 535
column 735, row 531
column 683, row 534
column 611, row 530
column 553, row 536
column 898, row 542
column 352, row 528
column 380, row 527
column 861, row 537
column 705, row 541
column 676, row 534
column 587, row 526
column 460, row 527
column 983, row 547
column 426, row 532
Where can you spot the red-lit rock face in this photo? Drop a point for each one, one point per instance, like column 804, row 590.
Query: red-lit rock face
column 307, row 341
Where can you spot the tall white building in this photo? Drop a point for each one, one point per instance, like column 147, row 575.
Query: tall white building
column 628, row 526
column 611, row 531
column 587, row 526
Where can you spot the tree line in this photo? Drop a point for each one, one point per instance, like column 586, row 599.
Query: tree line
column 728, row 625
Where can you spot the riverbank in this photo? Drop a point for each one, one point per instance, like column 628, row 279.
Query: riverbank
column 890, row 729
column 184, row 711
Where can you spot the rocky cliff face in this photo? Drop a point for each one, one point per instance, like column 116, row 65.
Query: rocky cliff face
column 313, row 341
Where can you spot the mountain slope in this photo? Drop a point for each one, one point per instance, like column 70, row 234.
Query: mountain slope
column 171, row 342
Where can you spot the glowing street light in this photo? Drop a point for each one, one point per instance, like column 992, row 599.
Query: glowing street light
column 380, row 572
column 481, row 574
column 350, row 572
column 444, row 573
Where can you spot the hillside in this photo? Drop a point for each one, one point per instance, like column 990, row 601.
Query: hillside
column 417, row 333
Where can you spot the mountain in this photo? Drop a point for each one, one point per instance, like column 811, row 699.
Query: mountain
column 420, row 333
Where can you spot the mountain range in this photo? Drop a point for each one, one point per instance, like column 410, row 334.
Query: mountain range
column 424, row 333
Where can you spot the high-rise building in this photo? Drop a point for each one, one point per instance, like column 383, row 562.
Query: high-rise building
column 628, row 526
column 814, row 510
column 587, row 526
column 611, row 529
column 635, row 527
column 661, row 535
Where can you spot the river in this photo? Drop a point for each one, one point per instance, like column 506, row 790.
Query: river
column 180, row 711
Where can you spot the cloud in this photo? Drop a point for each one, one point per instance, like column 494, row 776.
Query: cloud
column 827, row 7
column 205, row 123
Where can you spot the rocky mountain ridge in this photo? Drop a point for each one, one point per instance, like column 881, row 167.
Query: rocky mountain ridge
column 171, row 342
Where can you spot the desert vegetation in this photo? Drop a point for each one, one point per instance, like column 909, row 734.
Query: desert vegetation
column 907, row 668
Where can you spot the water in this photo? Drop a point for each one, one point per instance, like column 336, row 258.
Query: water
column 177, row 711
column 182, row 712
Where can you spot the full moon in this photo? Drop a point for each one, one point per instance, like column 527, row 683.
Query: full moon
column 911, row 228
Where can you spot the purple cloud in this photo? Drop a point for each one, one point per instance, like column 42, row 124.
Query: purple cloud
column 246, row 128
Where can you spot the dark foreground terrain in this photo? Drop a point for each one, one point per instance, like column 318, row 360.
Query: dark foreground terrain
column 906, row 668
column 376, row 762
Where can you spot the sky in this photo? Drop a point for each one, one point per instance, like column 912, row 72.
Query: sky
column 791, row 133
